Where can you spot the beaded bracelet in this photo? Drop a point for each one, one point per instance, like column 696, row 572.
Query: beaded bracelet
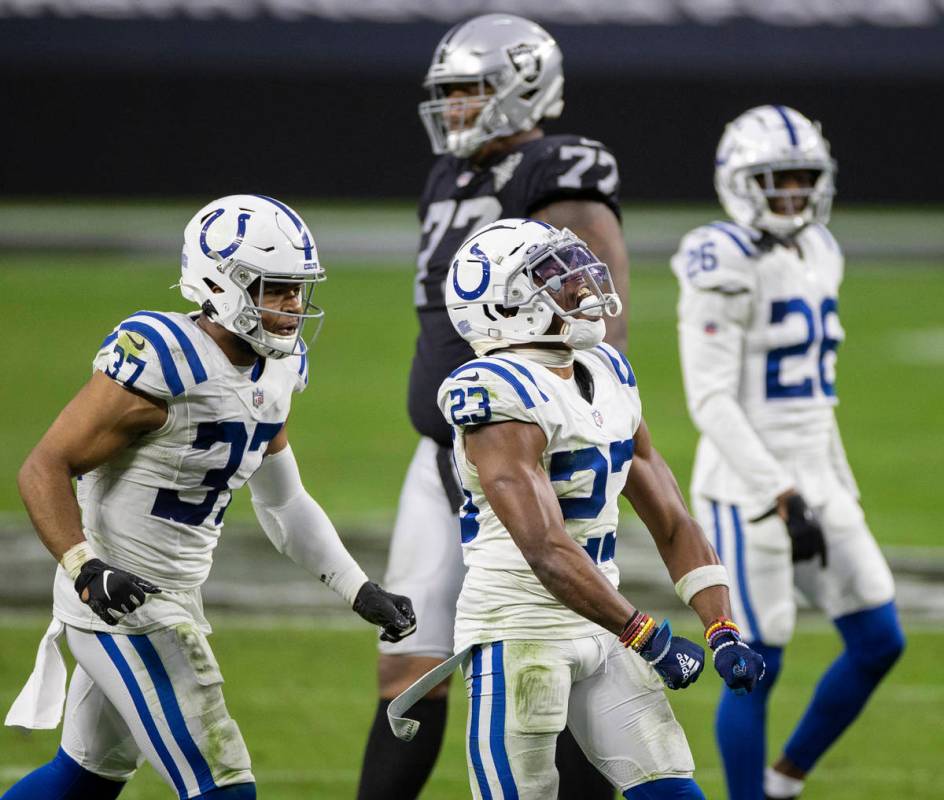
column 719, row 628
column 638, row 631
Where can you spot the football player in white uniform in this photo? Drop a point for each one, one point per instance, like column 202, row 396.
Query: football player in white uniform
column 493, row 80
column 181, row 410
column 548, row 433
column 758, row 331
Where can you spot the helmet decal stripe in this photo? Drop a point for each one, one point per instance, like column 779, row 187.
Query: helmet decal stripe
column 479, row 290
column 791, row 131
column 231, row 248
column 190, row 352
column 306, row 239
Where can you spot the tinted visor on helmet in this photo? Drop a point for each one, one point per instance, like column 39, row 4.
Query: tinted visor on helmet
column 572, row 279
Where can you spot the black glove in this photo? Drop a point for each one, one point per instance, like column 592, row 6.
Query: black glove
column 112, row 592
column 806, row 535
column 392, row 612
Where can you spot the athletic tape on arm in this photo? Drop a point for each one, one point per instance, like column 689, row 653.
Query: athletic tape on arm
column 691, row 583
column 299, row 527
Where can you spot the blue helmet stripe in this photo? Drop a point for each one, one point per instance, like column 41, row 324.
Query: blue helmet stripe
column 190, row 352
column 527, row 373
column 791, row 131
column 736, row 239
column 302, row 229
column 501, row 372
column 168, row 367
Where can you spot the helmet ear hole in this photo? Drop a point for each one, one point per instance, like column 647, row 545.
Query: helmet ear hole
column 215, row 288
column 506, row 312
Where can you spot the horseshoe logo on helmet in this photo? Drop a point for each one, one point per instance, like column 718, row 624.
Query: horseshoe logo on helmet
column 479, row 290
column 231, row 248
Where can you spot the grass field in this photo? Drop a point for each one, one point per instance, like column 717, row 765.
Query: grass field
column 304, row 715
column 304, row 696
column 350, row 428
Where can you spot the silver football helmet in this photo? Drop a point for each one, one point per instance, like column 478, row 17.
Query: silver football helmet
column 233, row 249
column 761, row 142
column 516, row 66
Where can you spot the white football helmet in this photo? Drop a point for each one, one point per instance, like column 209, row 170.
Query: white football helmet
column 760, row 142
column 510, row 279
column 233, row 248
column 516, row 65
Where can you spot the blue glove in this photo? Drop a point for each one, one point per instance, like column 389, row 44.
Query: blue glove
column 678, row 661
column 739, row 667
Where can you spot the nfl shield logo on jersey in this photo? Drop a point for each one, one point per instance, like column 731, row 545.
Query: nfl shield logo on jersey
column 598, row 418
column 258, row 398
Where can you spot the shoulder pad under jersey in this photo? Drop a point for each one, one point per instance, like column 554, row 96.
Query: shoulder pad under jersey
column 153, row 352
column 615, row 362
column 720, row 256
column 490, row 389
column 570, row 167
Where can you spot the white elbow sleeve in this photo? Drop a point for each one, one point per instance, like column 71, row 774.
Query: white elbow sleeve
column 299, row 527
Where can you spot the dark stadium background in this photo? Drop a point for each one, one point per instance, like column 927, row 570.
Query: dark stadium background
column 119, row 118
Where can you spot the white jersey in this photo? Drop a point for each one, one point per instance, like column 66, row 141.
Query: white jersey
column 588, row 455
column 157, row 509
column 758, row 333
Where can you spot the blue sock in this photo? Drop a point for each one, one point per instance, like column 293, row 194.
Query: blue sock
column 874, row 640
column 63, row 779
column 741, row 730
column 235, row 791
column 666, row 789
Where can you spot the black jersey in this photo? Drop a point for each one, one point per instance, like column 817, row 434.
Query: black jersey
column 459, row 198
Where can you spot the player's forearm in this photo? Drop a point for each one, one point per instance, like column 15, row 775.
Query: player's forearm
column 684, row 548
column 45, row 484
column 566, row 572
column 711, row 603
column 722, row 420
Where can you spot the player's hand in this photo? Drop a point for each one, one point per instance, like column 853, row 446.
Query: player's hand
column 806, row 534
column 111, row 592
column 739, row 667
column 392, row 612
column 678, row 661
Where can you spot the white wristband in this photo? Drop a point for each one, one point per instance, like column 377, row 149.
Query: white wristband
column 691, row 583
column 73, row 558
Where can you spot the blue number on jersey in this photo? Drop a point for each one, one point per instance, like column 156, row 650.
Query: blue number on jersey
column 563, row 466
column 468, row 519
column 479, row 414
column 701, row 259
column 779, row 311
column 120, row 358
column 168, row 503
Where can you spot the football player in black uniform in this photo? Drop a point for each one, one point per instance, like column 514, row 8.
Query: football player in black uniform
column 492, row 81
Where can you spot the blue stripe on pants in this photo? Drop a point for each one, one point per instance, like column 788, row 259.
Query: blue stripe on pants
column 754, row 633
column 717, row 519
column 496, row 737
column 172, row 712
column 474, row 754
column 140, row 704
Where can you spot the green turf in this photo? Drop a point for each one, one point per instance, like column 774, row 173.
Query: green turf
column 304, row 700
column 350, row 429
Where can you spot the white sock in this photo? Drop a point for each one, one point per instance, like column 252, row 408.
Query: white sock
column 776, row 784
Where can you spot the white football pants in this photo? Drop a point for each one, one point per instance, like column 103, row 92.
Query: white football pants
column 763, row 577
column 523, row 693
column 156, row 696
column 425, row 561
